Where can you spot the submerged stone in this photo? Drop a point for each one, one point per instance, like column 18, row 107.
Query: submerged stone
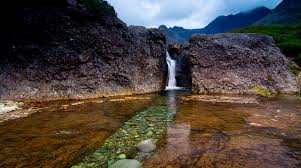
column 125, row 141
column 222, row 99
column 147, row 146
column 126, row 163
column 122, row 156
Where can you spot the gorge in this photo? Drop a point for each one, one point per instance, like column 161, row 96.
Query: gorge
column 80, row 88
column 172, row 82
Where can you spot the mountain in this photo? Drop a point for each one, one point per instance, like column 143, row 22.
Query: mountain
column 219, row 25
column 178, row 34
column 287, row 12
column 284, row 25
column 225, row 23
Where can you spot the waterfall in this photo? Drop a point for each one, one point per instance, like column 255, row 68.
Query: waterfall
column 172, row 83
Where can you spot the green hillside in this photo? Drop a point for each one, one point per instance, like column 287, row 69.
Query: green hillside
column 287, row 38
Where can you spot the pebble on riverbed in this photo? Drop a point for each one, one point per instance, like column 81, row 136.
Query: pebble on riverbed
column 147, row 146
column 126, row 163
column 148, row 125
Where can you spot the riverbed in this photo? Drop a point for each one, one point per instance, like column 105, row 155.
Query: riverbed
column 266, row 133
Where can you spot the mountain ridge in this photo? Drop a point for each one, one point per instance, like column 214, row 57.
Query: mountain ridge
column 287, row 12
column 220, row 24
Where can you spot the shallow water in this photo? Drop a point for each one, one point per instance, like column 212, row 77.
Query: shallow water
column 267, row 134
column 61, row 133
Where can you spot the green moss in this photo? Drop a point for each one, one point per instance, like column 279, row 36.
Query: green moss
column 99, row 8
column 270, row 77
column 149, row 124
column 294, row 68
column 261, row 91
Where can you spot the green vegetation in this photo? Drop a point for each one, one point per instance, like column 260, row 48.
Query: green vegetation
column 287, row 38
column 261, row 91
column 149, row 124
column 270, row 77
column 99, row 7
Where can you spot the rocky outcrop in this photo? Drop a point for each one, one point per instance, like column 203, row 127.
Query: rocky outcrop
column 183, row 67
column 239, row 63
column 63, row 51
column 299, row 82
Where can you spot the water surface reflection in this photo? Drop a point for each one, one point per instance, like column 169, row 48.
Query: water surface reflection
column 58, row 135
column 232, row 135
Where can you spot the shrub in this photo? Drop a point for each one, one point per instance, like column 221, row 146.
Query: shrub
column 99, row 8
column 261, row 91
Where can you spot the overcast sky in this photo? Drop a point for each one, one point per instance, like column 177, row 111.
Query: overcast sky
column 184, row 13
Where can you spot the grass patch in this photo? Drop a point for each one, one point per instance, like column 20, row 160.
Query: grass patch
column 149, row 124
column 287, row 38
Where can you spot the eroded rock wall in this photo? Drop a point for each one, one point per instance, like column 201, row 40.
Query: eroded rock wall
column 63, row 52
column 238, row 63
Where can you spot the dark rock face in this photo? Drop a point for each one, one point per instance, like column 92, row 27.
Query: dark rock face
column 183, row 67
column 236, row 63
column 64, row 52
column 226, row 23
column 287, row 12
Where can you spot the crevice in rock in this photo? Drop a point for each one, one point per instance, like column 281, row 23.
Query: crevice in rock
column 183, row 66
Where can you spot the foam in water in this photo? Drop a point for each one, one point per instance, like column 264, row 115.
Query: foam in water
column 172, row 83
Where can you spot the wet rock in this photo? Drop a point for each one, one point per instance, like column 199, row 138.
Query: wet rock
column 222, row 99
column 8, row 106
column 147, row 146
column 255, row 124
column 127, row 138
column 183, row 67
column 122, row 156
column 77, row 103
column 67, row 132
column 239, row 63
column 126, row 163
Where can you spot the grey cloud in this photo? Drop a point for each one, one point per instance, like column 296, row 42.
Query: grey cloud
column 185, row 13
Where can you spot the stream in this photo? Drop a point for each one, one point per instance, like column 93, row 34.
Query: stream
column 201, row 134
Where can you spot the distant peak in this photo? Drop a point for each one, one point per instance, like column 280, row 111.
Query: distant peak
column 163, row 27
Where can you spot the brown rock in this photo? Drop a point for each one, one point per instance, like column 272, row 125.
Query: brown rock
column 234, row 63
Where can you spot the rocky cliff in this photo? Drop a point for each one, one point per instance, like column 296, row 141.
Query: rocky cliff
column 238, row 63
column 61, row 50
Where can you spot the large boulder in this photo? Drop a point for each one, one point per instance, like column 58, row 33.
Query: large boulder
column 238, row 63
column 62, row 51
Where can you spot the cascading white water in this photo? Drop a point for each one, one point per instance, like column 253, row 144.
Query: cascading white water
column 172, row 83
